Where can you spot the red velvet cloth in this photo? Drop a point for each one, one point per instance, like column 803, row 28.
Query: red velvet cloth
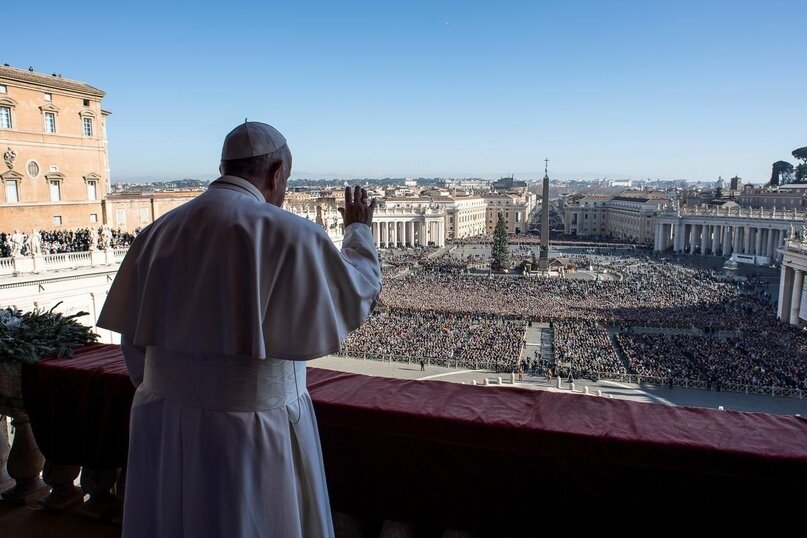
column 491, row 459
column 470, row 457
column 79, row 407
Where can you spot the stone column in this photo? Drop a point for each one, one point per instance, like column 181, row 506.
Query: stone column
column 657, row 240
column 25, row 462
column 726, row 242
column 422, row 233
column 385, row 234
column 98, row 483
column 411, row 232
column 5, row 447
column 704, row 239
column 64, row 494
column 795, row 297
column 679, row 237
column 758, row 242
column 717, row 235
column 735, row 245
column 693, row 242
column 785, row 291
column 746, row 240
column 769, row 243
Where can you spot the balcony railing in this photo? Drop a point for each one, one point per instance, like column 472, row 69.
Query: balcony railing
column 487, row 460
column 18, row 265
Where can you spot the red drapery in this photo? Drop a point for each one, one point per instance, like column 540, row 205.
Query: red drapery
column 466, row 456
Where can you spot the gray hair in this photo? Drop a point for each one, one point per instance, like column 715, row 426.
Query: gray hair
column 256, row 167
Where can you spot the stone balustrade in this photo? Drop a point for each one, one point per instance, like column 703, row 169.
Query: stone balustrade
column 18, row 265
column 744, row 212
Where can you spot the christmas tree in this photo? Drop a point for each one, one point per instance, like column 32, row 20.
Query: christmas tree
column 500, row 254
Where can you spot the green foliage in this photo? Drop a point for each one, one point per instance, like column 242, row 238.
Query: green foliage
column 800, row 154
column 27, row 337
column 801, row 173
column 500, row 253
column 781, row 173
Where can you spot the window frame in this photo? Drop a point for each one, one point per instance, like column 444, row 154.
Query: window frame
column 10, row 104
column 9, row 118
column 85, row 122
column 53, row 110
column 58, row 178
column 6, row 185
column 58, row 186
column 47, row 127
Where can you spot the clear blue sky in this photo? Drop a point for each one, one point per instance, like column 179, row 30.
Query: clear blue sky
column 674, row 89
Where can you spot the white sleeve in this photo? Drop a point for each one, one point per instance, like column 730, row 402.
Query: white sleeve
column 135, row 357
column 358, row 249
column 323, row 294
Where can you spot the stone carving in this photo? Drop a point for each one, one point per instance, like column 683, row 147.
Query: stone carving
column 93, row 239
column 106, row 237
column 35, row 243
column 10, row 156
column 17, row 240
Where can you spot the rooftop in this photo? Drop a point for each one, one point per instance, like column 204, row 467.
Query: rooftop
column 48, row 81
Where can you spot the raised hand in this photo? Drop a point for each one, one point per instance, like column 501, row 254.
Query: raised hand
column 357, row 207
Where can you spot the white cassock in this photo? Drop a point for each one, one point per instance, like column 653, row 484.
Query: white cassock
column 219, row 303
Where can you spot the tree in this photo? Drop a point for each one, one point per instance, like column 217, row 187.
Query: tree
column 781, row 173
column 801, row 170
column 500, row 253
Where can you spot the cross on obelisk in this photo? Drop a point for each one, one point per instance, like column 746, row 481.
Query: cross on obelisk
column 543, row 260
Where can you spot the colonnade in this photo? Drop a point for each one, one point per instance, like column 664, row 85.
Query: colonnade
column 409, row 232
column 721, row 238
column 791, row 284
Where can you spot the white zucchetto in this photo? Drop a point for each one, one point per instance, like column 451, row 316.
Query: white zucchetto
column 251, row 139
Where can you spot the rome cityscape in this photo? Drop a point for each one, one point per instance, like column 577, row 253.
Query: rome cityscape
column 670, row 290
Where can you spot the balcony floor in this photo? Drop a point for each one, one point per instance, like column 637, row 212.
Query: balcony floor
column 28, row 522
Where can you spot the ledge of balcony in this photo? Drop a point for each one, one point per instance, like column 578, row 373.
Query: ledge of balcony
column 449, row 456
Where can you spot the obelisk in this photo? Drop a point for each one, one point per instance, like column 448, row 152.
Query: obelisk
column 543, row 260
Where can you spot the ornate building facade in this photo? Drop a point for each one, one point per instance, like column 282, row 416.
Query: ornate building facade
column 628, row 216
column 55, row 169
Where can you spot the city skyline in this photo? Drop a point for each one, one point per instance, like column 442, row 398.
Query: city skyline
column 684, row 91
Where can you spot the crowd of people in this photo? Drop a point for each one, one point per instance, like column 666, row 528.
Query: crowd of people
column 649, row 293
column 467, row 341
column 61, row 241
column 656, row 294
column 587, row 349
column 761, row 359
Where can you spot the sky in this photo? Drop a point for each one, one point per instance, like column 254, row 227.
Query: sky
column 617, row 89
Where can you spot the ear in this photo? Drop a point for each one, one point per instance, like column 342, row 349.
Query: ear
column 275, row 175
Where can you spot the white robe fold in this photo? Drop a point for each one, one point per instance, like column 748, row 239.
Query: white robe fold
column 229, row 274
column 210, row 301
